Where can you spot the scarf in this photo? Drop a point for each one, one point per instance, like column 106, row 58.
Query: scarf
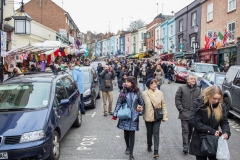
column 124, row 92
column 153, row 97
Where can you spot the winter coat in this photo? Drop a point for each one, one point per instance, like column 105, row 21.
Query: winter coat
column 184, row 99
column 204, row 125
column 170, row 69
column 150, row 72
column 158, row 101
column 78, row 77
column 132, row 100
column 164, row 68
column 99, row 69
column 107, row 75
column 158, row 76
column 136, row 71
column 143, row 75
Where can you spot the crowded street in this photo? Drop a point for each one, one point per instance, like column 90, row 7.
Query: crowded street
column 99, row 138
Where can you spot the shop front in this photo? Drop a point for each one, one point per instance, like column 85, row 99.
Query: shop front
column 208, row 56
column 227, row 56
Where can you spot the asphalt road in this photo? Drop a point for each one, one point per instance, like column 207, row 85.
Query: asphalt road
column 99, row 139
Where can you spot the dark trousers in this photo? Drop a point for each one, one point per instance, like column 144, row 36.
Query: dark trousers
column 82, row 103
column 153, row 130
column 186, row 132
column 205, row 158
column 129, row 137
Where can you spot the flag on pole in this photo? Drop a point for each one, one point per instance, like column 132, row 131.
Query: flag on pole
column 206, row 46
column 220, row 36
column 225, row 37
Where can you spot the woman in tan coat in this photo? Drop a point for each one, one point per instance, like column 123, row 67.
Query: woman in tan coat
column 153, row 97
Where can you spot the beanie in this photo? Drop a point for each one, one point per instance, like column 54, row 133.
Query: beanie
column 148, row 82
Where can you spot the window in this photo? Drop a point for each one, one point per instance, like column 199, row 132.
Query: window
column 171, row 30
column 163, row 32
column 152, row 32
column 170, row 44
column 192, row 40
column 163, row 45
column 141, row 45
column 231, row 5
column 210, row 12
column 231, row 30
column 142, row 35
column 128, row 39
column 236, row 81
column 180, row 25
column 194, row 19
column 60, row 91
column 134, row 39
column 69, row 85
column 180, row 40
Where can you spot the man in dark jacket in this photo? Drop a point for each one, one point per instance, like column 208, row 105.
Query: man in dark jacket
column 170, row 72
column 99, row 70
column 106, row 87
column 184, row 98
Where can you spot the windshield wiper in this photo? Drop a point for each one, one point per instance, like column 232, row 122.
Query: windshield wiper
column 17, row 109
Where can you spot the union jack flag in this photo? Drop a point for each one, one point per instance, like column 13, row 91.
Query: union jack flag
column 213, row 40
column 225, row 37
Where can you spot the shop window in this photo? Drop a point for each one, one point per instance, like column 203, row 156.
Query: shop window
column 210, row 12
column 231, row 29
column 231, row 5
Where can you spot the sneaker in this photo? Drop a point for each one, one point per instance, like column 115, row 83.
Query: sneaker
column 111, row 113
column 155, row 155
column 185, row 150
column 105, row 114
column 149, row 149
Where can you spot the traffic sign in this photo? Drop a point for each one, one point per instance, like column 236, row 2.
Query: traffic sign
column 181, row 45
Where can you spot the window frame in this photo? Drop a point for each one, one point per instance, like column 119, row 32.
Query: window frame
column 208, row 12
column 181, row 25
column 234, row 80
column 232, row 33
column 229, row 10
column 194, row 13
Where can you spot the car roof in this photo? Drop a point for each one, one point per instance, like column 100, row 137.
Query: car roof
column 235, row 66
column 35, row 77
column 206, row 64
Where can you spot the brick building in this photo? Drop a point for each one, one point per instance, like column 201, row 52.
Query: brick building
column 216, row 17
column 150, row 30
column 51, row 15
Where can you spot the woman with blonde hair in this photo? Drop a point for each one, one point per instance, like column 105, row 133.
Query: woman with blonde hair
column 206, row 115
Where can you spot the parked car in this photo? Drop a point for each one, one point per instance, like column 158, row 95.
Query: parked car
column 231, row 91
column 199, row 69
column 91, row 86
column 180, row 74
column 36, row 111
column 95, row 64
column 212, row 78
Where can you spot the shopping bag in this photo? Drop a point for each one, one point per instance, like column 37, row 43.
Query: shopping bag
column 222, row 150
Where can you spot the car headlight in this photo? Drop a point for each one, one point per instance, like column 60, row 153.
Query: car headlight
column 87, row 92
column 32, row 136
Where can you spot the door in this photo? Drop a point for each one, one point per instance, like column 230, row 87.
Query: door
column 61, row 111
column 236, row 92
column 71, row 92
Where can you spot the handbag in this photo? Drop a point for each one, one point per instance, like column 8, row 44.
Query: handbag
column 140, row 80
column 125, row 112
column 108, row 83
column 158, row 113
column 209, row 145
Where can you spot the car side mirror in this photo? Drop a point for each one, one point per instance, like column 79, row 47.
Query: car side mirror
column 64, row 102
column 211, row 82
column 192, row 70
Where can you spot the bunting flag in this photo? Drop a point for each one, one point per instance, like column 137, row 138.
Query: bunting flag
column 206, row 46
column 225, row 37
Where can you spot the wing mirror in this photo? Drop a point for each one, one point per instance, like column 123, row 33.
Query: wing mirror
column 64, row 102
column 211, row 82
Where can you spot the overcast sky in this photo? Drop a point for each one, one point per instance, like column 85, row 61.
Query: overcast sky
column 95, row 15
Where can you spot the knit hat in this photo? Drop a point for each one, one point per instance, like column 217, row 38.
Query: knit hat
column 148, row 82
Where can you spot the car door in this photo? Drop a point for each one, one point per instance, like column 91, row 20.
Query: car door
column 61, row 110
column 205, row 82
column 236, row 92
column 69, row 85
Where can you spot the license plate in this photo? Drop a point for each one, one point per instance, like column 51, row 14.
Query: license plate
column 4, row 155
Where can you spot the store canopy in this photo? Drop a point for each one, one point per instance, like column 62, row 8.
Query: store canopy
column 50, row 44
column 26, row 49
column 178, row 54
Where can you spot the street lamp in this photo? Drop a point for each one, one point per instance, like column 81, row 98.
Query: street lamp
column 22, row 22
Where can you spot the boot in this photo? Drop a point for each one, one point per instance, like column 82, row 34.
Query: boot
column 149, row 149
column 155, row 155
column 131, row 157
column 185, row 149
column 127, row 151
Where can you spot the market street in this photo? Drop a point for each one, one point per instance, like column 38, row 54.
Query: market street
column 99, row 138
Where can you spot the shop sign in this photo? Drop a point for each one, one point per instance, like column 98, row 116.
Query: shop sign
column 207, row 57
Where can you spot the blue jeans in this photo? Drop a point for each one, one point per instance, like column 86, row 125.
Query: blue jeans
column 169, row 76
column 144, row 86
column 82, row 103
column 100, row 79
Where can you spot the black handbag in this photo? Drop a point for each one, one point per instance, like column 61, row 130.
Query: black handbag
column 158, row 113
column 209, row 145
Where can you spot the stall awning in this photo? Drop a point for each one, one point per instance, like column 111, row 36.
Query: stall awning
column 178, row 54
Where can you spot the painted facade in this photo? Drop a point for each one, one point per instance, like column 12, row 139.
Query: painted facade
column 141, row 34
column 113, row 45
column 128, row 43
column 157, row 38
column 122, row 43
column 134, row 43
column 104, row 47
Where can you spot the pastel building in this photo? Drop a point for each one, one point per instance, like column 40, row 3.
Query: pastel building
column 128, row 43
column 134, row 45
column 141, row 38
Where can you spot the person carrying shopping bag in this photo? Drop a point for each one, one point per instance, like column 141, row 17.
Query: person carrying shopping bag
column 131, row 96
column 206, row 116
column 153, row 98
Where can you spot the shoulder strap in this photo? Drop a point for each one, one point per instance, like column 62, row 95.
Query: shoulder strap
column 150, row 100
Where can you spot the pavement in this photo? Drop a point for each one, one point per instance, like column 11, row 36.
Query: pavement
column 99, row 139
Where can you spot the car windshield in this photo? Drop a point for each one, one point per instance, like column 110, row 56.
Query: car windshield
column 182, row 69
column 202, row 68
column 219, row 79
column 86, row 77
column 24, row 96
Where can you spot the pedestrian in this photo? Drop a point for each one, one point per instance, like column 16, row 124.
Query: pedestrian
column 170, row 72
column 143, row 76
column 207, row 115
column 99, row 70
column 153, row 98
column 131, row 95
column 121, row 81
column 184, row 98
column 106, row 87
column 78, row 77
column 164, row 67
column 150, row 71
column 159, row 74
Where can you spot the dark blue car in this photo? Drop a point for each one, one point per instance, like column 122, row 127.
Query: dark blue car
column 36, row 111
column 212, row 78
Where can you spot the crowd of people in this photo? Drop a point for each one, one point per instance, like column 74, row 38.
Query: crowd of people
column 200, row 113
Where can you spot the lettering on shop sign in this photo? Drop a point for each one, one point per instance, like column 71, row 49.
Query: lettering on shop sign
column 87, row 141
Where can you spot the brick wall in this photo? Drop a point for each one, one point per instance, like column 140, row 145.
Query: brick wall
column 151, row 41
column 47, row 13
column 221, row 17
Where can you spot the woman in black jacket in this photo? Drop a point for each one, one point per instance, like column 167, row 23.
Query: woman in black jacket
column 206, row 115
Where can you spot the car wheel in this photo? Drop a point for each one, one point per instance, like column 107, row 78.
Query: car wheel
column 78, row 121
column 55, row 147
column 93, row 102
column 99, row 95
column 227, row 107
